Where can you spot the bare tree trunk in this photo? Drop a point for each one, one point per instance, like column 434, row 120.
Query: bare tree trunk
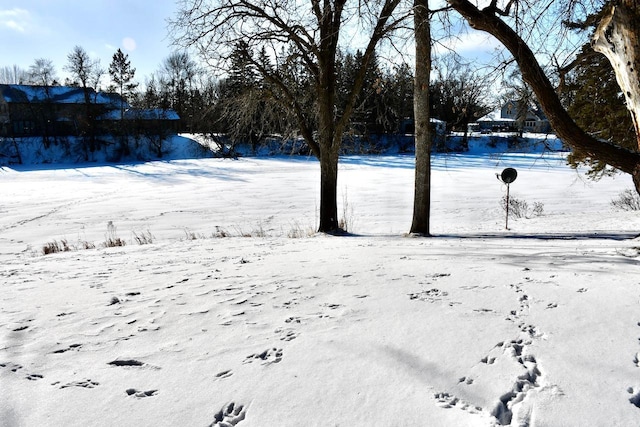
column 625, row 160
column 329, row 135
column 618, row 38
column 328, row 192
column 422, row 188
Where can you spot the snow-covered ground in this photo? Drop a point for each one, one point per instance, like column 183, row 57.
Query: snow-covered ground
column 538, row 325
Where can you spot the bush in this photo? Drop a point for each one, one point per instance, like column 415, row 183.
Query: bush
column 55, row 246
column 520, row 208
column 111, row 238
column 628, row 200
column 144, row 238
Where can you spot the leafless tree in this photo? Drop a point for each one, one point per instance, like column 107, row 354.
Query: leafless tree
column 12, row 75
column 617, row 35
column 313, row 28
column 42, row 72
column 85, row 72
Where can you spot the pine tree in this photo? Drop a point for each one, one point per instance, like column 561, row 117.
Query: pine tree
column 122, row 76
column 596, row 104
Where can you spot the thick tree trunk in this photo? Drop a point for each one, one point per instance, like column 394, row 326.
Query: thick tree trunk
column 618, row 38
column 625, row 160
column 328, row 192
column 422, row 187
column 329, row 137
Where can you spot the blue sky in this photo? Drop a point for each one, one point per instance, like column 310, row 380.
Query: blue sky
column 31, row 29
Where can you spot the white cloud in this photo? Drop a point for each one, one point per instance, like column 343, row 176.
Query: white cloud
column 15, row 19
column 129, row 44
column 469, row 44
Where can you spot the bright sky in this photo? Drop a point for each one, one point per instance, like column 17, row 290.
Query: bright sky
column 32, row 29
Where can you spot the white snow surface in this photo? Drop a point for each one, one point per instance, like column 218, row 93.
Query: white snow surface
column 538, row 325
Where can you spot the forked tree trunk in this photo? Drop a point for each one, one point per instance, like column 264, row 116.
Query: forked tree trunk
column 422, row 186
column 569, row 132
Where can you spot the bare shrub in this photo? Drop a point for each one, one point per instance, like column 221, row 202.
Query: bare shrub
column 220, row 232
column 520, row 208
column 55, row 247
column 298, row 232
column 87, row 245
column 346, row 222
column 111, row 238
column 144, row 238
column 628, row 200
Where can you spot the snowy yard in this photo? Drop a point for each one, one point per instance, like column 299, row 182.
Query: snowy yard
column 538, row 325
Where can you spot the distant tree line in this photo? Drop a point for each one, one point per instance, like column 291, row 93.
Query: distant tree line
column 245, row 107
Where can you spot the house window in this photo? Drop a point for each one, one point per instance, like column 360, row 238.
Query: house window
column 530, row 124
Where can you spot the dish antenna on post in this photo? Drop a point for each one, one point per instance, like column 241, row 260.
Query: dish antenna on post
column 507, row 176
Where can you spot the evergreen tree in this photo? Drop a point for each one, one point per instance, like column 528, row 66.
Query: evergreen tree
column 594, row 101
column 122, row 75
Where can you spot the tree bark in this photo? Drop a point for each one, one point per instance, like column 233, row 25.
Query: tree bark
column 329, row 136
column 422, row 186
column 618, row 38
column 485, row 20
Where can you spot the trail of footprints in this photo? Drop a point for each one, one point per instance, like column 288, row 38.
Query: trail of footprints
column 635, row 391
column 516, row 351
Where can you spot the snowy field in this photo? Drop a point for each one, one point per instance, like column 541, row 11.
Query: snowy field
column 538, row 325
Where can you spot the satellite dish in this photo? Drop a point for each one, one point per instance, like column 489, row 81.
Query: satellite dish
column 508, row 175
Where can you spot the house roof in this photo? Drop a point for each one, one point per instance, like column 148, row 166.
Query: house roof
column 494, row 116
column 55, row 94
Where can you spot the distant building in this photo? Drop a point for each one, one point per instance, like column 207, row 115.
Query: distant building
column 512, row 117
column 50, row 111
column 407, row 126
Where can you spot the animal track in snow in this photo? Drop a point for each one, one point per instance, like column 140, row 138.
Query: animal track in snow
column 34, row 377
column 430, row 295
column 447, row 401
column 636, row 360
column 224, row 374
column 83, row 384
column 132, row 363
column 71, row 347
column 13, row 367
column 287, row 334
column 230, row 415
column 465, row 380
column 269, row 356
column 140, row 394
column 635, row 396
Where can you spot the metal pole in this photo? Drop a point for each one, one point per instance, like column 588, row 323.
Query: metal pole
column 506, row 222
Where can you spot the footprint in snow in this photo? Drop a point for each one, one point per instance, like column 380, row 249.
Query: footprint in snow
column 224, row 374
column 140, row 394
column 269, row 356
column 635, row 396
column 230, row 415
column 448, row 401
column 82, row 384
